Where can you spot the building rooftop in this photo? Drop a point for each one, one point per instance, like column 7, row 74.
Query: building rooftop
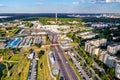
column 113, row 45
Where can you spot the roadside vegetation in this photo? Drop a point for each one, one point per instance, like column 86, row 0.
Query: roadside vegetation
column 43, row 69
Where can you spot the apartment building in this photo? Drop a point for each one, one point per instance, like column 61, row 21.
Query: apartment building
column 105, row 56
column 113, row 48
column 86, row 35
column 92, row 46
column 102, row 54
column 99, row 42
column 110, row 61
column 117, row 70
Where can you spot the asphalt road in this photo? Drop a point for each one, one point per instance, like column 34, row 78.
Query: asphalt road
column 65, row 68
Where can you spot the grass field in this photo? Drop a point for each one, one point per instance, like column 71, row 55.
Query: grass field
column 19, row 71
column 44, row 72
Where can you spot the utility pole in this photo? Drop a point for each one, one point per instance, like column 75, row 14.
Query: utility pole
column 56, row 18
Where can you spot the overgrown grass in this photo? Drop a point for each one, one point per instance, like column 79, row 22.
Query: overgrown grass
column 19, row 71
column 43, row 71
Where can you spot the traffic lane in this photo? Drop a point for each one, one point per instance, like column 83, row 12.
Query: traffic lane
column 62, row 68
column 70, row 71
column 68, row 68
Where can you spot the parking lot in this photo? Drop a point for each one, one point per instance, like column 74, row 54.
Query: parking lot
column 79, row 68
column 32, row 69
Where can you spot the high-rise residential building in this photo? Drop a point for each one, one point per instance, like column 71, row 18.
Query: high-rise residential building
column 102, row 54
column 113, row 48
column 92, row 46
column 117, row 71
column 99, row 42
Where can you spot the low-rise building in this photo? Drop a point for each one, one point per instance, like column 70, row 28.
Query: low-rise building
column 99, row 25
column 2, row 45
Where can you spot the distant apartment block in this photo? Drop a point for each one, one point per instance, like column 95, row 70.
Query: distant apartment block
column 99, row 25
column 86, row 35
column 113, row 48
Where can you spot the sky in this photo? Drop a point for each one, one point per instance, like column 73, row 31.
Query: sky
column 60, row 6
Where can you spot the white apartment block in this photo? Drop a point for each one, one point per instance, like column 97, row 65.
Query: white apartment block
column 102, row 54
column 107, row 59
column 112, row 49
column 99, row 42
column 117, row 71
column 110, row 61
column 86, row 35
column 92, row 46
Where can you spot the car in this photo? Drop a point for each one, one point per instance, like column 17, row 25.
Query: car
column 31, row 64
column 78, row 62
column 77, row 68
column 83, row 78
column 66, row 62
column 61, row 78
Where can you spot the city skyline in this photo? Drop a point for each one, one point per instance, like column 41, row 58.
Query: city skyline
column 62, row 6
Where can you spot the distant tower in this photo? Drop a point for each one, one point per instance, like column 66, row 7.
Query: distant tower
column 56, row 18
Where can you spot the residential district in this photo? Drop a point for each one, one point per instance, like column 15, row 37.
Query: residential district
column 60, row 49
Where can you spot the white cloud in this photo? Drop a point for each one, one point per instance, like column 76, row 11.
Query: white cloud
column 104, row 1
column 2, row 5
column 75, row 3
column 109, row 1
column 39, row 3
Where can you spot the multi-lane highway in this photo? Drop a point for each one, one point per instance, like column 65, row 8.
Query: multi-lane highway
column 65, row 68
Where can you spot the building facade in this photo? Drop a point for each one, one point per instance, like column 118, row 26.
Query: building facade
column 113, row 49
column 117, row 71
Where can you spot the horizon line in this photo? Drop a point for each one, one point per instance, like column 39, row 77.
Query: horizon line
column 55, row 13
